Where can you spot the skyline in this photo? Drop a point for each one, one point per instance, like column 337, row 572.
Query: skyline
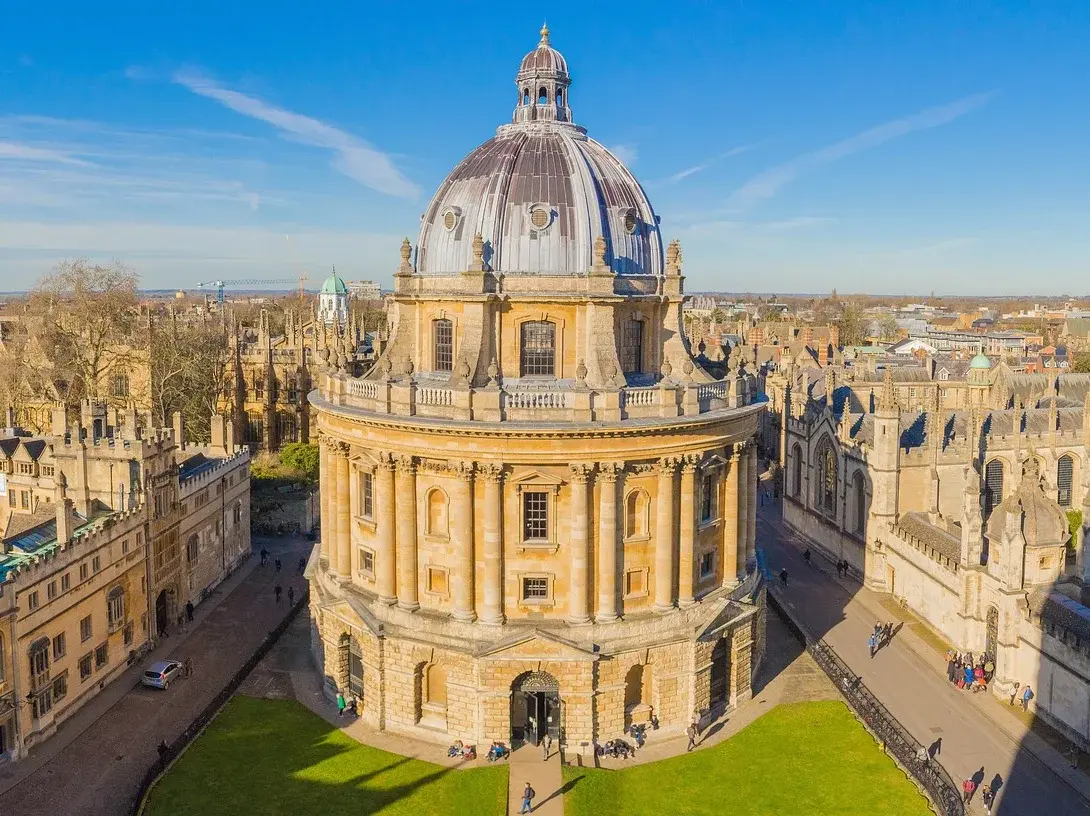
column 934, row 150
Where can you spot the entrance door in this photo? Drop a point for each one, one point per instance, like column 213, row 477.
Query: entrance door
column 891, row 580
column 720, row 672
column 161, row 617
column 535, row 708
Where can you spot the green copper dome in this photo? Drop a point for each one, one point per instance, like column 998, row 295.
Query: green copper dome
column 980, row 361
column 334, row 286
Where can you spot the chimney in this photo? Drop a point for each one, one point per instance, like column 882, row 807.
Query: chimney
column 219, row 438
column 65, row 520
column 179, row 429
column 59, row 421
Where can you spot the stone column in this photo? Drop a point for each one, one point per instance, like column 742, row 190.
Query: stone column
column 344, row 511
column 461, row 525
column 665, row 540
column 751, row 502
column 579, row 592
column 731, row 545
column 386, row 517
column 407, row 584
column 687, row 535
column 325, row 488
column 742, row 507
column 607, row 542
column 493, row 544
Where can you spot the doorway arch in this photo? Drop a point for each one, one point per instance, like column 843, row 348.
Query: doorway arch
column 535, row 708
column 164, row 610
column 720, row 673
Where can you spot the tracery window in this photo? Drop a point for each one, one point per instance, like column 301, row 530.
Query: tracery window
column 1065, row 475
column 993, row 486
column 825, row 494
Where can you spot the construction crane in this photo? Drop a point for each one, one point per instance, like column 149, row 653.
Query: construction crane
column 220, row 284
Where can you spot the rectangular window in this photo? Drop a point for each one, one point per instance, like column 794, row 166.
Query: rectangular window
column 535, row 589
column 83, row 572
column 85, row 666
column 66, row 582
column 535, row 516
column 60, row 688
column 367, row 561
column 128, row 633
column 191, row 548
column 538, row 349
column 707, row 497
column 444, row 345
column 115, row 608
column 367, row 495
column 96, row 564
column 124, row 546
column 51, row 590
column 85, row 629
column 102, row 655
column 59, row 646
column 32, row 601
column 24, row 500
column 43, row 703
column 632, row 347
column 707, row 564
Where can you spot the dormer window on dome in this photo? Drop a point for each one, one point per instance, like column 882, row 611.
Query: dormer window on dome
column 631, row 221
column 451, row 217
column 541, row 216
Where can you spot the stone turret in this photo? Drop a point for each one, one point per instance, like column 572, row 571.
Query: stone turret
column 65, row 519
column 885, row 464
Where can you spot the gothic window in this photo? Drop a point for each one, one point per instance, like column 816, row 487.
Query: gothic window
column 538, row 349
column 796, row 482
column 443, row 332
column 993, row 486
column 635, row 507
column 1065, row 473
column 859, row 489
column 437, row 513
column 632, row 346
column 192, row 548
column 285, row 427
column 119, row 385
column 825, row 494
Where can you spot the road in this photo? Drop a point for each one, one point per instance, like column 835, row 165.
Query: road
column 915, row 693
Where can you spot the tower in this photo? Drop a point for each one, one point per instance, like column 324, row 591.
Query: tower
column 333, row 300
column 884, row 466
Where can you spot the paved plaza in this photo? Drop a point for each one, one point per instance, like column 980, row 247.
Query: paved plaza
column 94, row 764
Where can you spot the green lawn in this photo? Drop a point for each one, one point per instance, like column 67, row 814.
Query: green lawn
column 805, row 758
column 272, row 757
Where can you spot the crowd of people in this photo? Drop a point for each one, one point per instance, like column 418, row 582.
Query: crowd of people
column 969, row 672
column 880, row 637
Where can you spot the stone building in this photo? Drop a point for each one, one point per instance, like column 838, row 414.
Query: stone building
column 108, row 529
column 964, row 514
column 538, row 506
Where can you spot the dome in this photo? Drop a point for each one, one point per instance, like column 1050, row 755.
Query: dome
column 980, row 361
column 540, row 193
column 334, row 286
column 1041, row 520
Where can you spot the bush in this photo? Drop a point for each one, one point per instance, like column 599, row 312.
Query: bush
column 1074, row 522
column 301, row 457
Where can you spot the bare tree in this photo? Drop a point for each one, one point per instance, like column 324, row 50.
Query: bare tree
column 887, row 327
column 187, row 366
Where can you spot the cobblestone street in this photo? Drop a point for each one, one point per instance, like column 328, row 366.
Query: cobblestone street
column 94, row 764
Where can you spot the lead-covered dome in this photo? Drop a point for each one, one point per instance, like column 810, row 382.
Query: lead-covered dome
column 540, row 193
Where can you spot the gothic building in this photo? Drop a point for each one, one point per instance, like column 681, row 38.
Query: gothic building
column 537, row 504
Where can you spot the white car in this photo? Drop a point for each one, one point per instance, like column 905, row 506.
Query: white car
column 161, row 672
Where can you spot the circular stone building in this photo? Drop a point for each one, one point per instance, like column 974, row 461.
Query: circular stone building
column 537, row 503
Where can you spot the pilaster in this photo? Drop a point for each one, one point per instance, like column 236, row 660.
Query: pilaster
column 493, row 544
column 687, row 535
column 407, row 579
column 607, row 542
column 578, row 603
column 665, row 539
column 462, row 527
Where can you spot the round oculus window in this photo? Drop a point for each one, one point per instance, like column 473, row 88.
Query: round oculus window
column 630, row 222
column 451, row 216
column 540, row 217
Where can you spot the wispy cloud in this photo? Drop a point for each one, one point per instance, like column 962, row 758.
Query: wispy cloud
column 627, row 153
column 30, row 153
column 735, row 228
column 700, row 168
column 767, row 184
column 353, row 157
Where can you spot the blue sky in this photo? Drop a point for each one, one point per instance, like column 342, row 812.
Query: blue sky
column 866, row 146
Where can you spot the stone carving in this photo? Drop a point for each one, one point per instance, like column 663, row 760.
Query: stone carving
column 666, row 368
column 580, row 473
column 406, row 464
column 463, row 371
column 407, row 366
column 666, row 466
column 491, row 471
column 493, row 373
column 581, row 373
column 607, row 471
column 406, row 267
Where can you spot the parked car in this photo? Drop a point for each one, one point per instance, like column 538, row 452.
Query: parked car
column 161, row 672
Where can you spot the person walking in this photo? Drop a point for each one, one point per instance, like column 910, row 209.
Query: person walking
column 987, row 796
column 277, row 565
column 806, row 557
column 264, row 556
column 951, row 670
column 690, row 732
column 528, row 794
column 783, row 577
column 872, row 644
column 1027, row 695
column 189, row 611
column 291, row 596
column 968, row 788
column 546, row 744
column 302, row 565
column 187, row 666
column 341, row 704
column 276, row 591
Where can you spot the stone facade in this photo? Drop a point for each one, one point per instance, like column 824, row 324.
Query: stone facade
column 538, row 506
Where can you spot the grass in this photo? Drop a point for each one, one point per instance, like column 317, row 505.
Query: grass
column 274, row 757
column 805, row 758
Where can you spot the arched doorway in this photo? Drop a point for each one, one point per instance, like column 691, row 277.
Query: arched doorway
column 535, row 707
column 720, row 673
column 991, row 633
column 163, row 611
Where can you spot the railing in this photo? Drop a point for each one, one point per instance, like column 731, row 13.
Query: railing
column 368, row 389
column 715, row 390
column 537, row 399
column 930, row 775
column 175, row 749
column 435, row 396
column 640, row 397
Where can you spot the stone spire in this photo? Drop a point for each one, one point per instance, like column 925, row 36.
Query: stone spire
column 887, row 400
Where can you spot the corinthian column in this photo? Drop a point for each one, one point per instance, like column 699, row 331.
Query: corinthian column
column 607, row 542
column 325, row 488
column 751, row 502
column 665, row 541
column 462, row 529
column 344, row 512
column 742, row 508
column 578, row 606
column 731, row 545
column 492, row 612
column 386, row 518
column 407, row 596
column 688, row 532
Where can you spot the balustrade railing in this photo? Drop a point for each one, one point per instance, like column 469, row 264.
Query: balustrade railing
column 537, row 399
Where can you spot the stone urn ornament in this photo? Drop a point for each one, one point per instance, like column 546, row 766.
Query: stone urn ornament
column 493, row 373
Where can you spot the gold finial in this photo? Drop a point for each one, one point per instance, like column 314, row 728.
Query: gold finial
column 544, row 33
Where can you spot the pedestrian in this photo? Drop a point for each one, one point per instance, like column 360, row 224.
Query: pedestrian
column 889, row 631
column 922, row 756
column 291, row 596
column 806, row 556
column 341, row 704
column 163, row 750
column 783, row 577
column 951, row 670
column 1014, row 693
column 546, row 744
column 987, row 796
column 690, row 732
column 528, row 795
column 276, row 591
column 967, row 676
column 264, row 556
column 189, row 611
column 968, row 788
column 302, row 565
column 872, row 644
column 1073, row 756
column 1027, row 695
column 277, row 565
column 188, row 665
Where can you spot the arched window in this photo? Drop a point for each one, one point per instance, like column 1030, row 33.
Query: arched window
column 1065, row 477
column 632, row 346
column 859, row 491
column 796, row 482
column 443, row 338
column 559, row 98
column 825, row 493
column 542, row 95
column 119, row 385
column 525, row 96
column 538, row 349
column 635, row 514
column 993, row 486
column 437, row 512
column 637, row 687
